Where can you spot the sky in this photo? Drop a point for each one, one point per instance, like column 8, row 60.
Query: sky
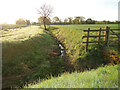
column 12, row 10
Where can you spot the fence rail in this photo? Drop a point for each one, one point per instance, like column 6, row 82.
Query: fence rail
column 106, row 36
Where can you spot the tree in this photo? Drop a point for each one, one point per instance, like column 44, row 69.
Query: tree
column 27, row 22
column 45, row 11
column 65, row 20
column 56, row 19
column 82, row 19
column 20, row 21
column 70, row 20
column 116, row 22
column 47, row 20
column 34, row 23
column 77, row 19
column 40, row 20
column 89, row 21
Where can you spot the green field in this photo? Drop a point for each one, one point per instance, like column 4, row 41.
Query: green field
column 31, row 54
column 86, row 26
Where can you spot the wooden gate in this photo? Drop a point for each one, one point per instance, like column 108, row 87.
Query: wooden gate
column 110, row 36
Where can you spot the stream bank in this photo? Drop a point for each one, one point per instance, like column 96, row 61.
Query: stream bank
column 63, row 54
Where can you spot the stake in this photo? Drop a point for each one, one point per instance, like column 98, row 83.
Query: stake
column 99, row 37
column 87, row 39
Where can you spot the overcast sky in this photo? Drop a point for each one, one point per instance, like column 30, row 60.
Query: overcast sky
column 11, row 10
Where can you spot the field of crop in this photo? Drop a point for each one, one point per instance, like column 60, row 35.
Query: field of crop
column 27, row 54
column 103, row 77
column 71, row 37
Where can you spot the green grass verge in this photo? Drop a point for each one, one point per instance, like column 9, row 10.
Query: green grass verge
column 103, row 77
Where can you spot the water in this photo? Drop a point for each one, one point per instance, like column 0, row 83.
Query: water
column 62, row 50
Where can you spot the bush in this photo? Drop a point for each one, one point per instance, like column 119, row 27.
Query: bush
column 97, row 56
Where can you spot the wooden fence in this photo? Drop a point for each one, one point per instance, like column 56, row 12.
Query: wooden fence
column 107, row 33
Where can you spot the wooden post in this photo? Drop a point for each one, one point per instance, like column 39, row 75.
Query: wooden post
column 99, row 37
column 107, row 35
column 87, row 39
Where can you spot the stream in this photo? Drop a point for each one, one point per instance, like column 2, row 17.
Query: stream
column 62, row 50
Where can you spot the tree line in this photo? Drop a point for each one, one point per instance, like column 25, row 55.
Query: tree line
column 21, row 21
column 70, row 20
column 73, row 20
column 45, row 12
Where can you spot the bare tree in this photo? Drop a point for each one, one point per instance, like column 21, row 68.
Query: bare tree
column 45, row 11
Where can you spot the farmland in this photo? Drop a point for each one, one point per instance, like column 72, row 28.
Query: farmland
column 31, row 54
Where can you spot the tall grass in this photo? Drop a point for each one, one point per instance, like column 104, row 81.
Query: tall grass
column 103, row 77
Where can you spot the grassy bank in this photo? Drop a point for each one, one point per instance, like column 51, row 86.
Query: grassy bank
column 104, row 77
column 28, row 54
column 71, row 37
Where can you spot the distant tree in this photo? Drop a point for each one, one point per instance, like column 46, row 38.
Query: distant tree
column 56, row 20
column 27, row 22
column 77, row 19
column 40, row 20
column 65, row 20
column 34, row 23
column 82, row 19
column 20, row 21
column 104, row 21
column 70, row 20
column 90, row 21
column 116, row 22
column 108, row 22
column 45, row 11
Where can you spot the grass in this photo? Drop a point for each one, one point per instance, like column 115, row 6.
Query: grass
column 103, row 77
column 86, row 26
column 28, row 54
column 11, row 26
column 71, row 37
